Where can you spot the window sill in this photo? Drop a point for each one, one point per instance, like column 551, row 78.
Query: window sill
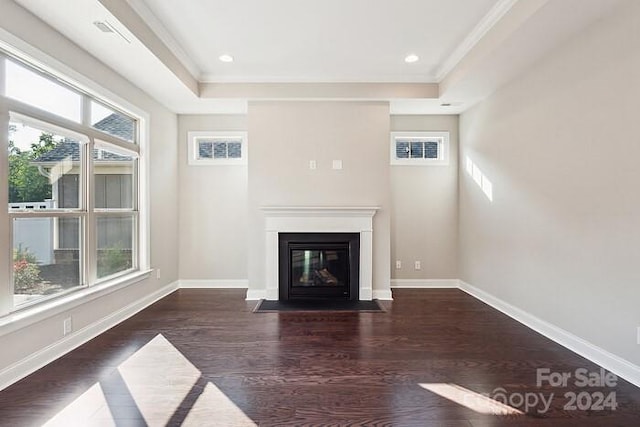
column 22, row 318
column 419, row 162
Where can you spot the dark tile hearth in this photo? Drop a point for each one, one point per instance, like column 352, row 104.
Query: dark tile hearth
column 265, row 306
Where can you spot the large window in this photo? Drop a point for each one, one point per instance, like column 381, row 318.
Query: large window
column 72, row 182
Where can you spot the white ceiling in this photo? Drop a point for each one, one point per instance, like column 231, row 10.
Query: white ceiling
column 319, row 40
column 467, row 48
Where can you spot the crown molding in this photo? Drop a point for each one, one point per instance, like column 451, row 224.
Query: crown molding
column 486, row 23
column 165, row 36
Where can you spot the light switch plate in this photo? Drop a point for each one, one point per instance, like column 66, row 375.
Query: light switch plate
column 337, row 164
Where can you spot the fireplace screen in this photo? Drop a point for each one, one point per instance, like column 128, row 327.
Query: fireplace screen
column 326, row 267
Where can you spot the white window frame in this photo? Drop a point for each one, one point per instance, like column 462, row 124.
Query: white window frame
column 87, row 213
column 443, row 148
column 194, row 137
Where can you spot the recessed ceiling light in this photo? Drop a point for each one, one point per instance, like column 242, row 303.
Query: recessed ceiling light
column 226, row 58
column 411, row 58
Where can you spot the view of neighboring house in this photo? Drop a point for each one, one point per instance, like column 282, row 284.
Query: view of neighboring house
column 113, row 180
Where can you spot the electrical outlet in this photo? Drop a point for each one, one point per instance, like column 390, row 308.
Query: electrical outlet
column 418, row 266
column 313, row 165
column 337, row 164
column 67, row 326
column 158, row 273
column 398, row 265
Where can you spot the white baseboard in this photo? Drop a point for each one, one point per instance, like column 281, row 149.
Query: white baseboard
column 214, row 284
column 382, row 295
column 40, row 358
column 424, row 283
column 365, row 294
column 607, row 360
column 256, row 294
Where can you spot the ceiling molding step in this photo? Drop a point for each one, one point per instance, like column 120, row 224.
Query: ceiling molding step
column 399, row 78
column 141, row 8
column 491, row 40
column 319, row 91
column 128, row 17
column 488, row 21
column 529, row 31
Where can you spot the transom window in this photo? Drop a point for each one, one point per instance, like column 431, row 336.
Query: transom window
column 419, row 148
column 72, row 181
column 217, row 148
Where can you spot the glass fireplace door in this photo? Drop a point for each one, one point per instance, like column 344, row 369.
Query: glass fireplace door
column 320, row 269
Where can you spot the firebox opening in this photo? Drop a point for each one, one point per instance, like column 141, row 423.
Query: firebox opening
column 319, row 265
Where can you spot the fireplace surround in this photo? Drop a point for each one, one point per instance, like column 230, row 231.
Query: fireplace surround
column 305, row 219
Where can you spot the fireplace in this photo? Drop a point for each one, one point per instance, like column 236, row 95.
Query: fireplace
column 319, row 266
column 317, row 220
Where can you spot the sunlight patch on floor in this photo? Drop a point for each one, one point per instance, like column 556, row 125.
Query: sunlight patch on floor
column 158, row 377
column 157, row 385
column 470, row 399
column 81, row 409
column 213, row 407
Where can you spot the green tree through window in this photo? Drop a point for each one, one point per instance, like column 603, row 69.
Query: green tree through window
column 26, row 183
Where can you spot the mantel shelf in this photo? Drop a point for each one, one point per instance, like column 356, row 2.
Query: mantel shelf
column 366, row 211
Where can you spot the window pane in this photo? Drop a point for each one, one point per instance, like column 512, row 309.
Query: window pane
column 402, row 149
column 219, row 150
column 416, row 149
column 235, row 150
column 112, row 122
column 205, row 150
column 114, row 179
column 33, row 89
column 41, row 265
column 43, row 169
column 115, row 244
column 430, row 150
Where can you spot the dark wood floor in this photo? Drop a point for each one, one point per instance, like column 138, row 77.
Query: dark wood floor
column 201, row 357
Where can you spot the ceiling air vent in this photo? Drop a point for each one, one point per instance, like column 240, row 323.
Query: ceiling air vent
column 106, row 27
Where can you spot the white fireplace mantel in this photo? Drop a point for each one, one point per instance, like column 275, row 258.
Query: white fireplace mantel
column 320, row 219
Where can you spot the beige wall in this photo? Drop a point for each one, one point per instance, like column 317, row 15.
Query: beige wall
column 424, row 207
column 213, row 207
column 285, row 136
column 163, row 155
column 561, row 239
column 213, row 199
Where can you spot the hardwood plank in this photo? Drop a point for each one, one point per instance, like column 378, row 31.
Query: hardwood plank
column 201, row 357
